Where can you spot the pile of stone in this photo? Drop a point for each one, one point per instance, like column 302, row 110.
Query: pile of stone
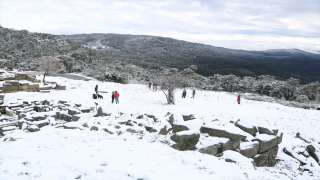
column 256, row 142
column 307, row 153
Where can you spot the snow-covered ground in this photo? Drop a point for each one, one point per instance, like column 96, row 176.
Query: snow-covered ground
column 54, row 153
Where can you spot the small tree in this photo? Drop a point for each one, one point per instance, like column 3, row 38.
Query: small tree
column 168, row 83
column 48, row 65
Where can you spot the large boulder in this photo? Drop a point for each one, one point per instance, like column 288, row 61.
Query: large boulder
column 222, row 131
column 150, row 129
column 185, row 140
column 266, row 142
column 246, row 127
column 99, row 112
column 266, row 159
column 164, row 131
column 249, row 149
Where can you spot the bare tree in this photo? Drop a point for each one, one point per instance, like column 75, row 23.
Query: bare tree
column 48, row 65
column 168, row 83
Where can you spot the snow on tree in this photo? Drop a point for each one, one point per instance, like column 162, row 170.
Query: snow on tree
column 168, row 83
column 48, row 65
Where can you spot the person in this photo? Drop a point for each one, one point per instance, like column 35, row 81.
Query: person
column 116, row 96
column 149, row 84
column 112, row 96
column 193, row 93
column 96, row 89
column 154, row 86
column 238, row 99
column 184, row 93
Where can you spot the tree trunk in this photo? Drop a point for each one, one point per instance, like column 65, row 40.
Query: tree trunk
column 44, row 76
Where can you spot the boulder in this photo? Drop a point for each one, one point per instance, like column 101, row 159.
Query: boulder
column 171, row 119
column 311, row 150
column 266, row 142
column 33, row 128
column 21, row 115
column 100, row 112
column 267, row 159
column 222, row 132
column 42, row 123
column 150, row 129
column 211, row 150
column 39, row 117
column 185, row 141
column 164, row 131
column 94, row 128
column 72, row 111
column 246, row 127
column 85, row 110
column 188, row 117
column 231, row 144
column 263, row 130
column 67, row 117
column 249, row 149
column 75, row 118
column 38, row 108
column 177, row 128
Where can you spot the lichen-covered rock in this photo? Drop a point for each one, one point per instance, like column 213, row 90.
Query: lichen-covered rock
column 222, row 132
column 185, row 141
column 266, row 142
column 246, row 127
column 33, row 128
column 231, row 144
column 267, row 159
column 164, row 131
column 264, row 130
column 249, row 149
column 177, row 128
column 212, row 150
column 188, row 117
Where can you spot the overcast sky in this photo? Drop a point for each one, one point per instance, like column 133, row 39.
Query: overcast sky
column 236, row 24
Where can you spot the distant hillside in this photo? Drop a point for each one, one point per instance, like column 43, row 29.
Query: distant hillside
column 95, row 52
column 152, row 51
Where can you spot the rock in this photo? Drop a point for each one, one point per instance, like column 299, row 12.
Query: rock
column 171, row 119
column 150, row 129
column 67, row 117
column 177, row 128
column 263, row 130
column 311, row 150
column 42, row 123
column 99, row 112
column 72, row 111
column 280, row 138
column 211, row 150
column 38, row 108
column 131, row 130
column 188, row 117
column 220, row 132
column 9, row 112
column 249, row 149
column 185, row 141
column 20, row 123
column 267, row 159
column 94, row 128
column 246, row 127
column 75, row 118
column 163, row 131
column 152, row 116
column 21, row 115
column 38, row 118
column 231, row 144
column 140, row 117
column 129, row 123
column 85, row 110
column 266, row 142
column 33, row 128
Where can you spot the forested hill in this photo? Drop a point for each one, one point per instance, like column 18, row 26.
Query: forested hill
column 94, row 51
column 152, row 51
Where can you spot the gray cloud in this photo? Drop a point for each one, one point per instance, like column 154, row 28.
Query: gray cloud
column 239, row 24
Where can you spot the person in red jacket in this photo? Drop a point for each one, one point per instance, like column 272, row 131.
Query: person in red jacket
column 116, row 97
column 238, row 99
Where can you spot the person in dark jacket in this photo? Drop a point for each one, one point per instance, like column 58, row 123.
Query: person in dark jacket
column 96, row 89
column 112, row 96
column 238, row 99
column 184, row 93
column 193, row 93
column 116, row 96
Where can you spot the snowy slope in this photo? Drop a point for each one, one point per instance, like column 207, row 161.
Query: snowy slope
column 54, row 153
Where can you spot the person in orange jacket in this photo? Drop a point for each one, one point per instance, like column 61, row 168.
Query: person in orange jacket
column 116, row 97
column 238, row 99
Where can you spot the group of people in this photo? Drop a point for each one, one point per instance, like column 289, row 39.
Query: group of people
column 114, row 95
column 184, row 93
column 154, row 85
